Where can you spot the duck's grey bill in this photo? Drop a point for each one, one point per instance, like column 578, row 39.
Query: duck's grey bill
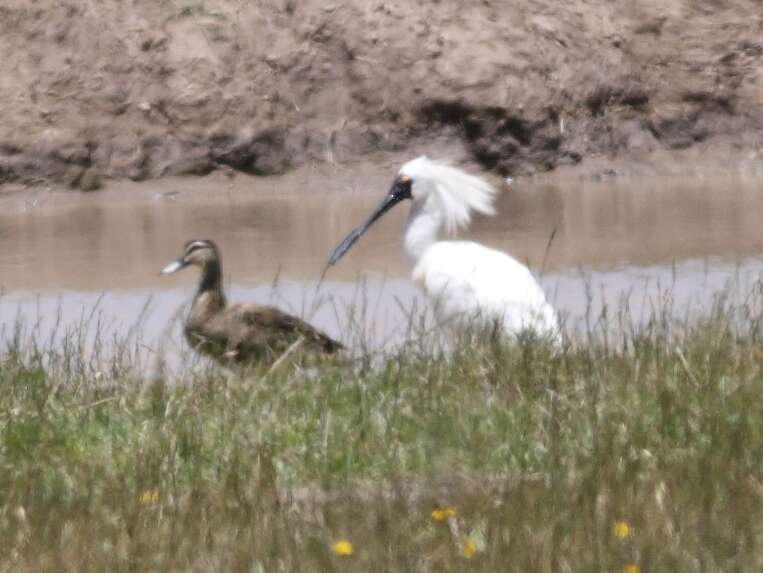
column 173, row 267
column 389, row 201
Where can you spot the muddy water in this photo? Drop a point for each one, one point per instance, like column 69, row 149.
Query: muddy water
column 65, row 256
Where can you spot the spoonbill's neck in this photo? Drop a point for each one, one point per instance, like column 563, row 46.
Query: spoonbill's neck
column 421, row 230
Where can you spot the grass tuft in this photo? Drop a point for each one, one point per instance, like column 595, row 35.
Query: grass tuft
column 640, row 451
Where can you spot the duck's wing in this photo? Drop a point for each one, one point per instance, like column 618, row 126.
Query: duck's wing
column 284, row 329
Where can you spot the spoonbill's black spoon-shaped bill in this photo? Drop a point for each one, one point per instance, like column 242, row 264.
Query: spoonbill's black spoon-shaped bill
column 468, row 283
column 400, row 190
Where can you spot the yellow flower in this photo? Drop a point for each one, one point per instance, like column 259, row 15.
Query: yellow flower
column 622, row 529
column 343, row 548
column 149, row 497
column 443, row 514
column 631, row 568
column 470, row 548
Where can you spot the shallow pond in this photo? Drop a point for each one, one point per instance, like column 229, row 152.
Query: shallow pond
column 72, row 258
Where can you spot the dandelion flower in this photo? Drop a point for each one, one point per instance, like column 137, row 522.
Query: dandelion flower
column 631, row 568
column 442, row 514
column 622, row 529
column 149, row 497
column 470, row 548
column 343, row 548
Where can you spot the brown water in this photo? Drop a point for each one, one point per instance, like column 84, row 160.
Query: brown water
column 62, row 252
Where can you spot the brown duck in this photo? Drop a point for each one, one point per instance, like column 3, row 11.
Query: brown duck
column 240, row 333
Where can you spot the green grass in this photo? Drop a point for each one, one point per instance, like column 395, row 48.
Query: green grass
column 540, row 452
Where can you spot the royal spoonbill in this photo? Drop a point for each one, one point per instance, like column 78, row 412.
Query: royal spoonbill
column 468, row 283
column 240, row 333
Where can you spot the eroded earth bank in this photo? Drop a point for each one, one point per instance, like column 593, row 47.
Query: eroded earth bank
column 142, row 89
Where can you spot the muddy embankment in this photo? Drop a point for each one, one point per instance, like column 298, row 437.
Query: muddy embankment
column 142, row 89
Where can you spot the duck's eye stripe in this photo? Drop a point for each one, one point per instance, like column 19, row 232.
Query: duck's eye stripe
column 194, row 246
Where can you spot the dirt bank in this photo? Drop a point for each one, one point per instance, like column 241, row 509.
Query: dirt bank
column 143, row 89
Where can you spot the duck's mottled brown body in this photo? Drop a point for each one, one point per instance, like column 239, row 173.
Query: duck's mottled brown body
column 241, row 333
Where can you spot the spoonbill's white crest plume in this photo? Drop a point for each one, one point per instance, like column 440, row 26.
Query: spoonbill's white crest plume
column 470, row 284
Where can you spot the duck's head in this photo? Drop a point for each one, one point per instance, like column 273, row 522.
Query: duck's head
column 198, row 252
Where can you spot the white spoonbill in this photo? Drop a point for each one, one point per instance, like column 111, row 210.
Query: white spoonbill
column 469, row 284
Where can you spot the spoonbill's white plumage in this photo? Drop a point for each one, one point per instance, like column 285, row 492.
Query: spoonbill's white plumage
column 469, row 284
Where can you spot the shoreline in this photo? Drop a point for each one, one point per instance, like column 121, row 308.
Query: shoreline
column 369, row 172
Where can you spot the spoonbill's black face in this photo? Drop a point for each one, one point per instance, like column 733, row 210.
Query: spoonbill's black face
column 197, row 252
column 400, row 190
